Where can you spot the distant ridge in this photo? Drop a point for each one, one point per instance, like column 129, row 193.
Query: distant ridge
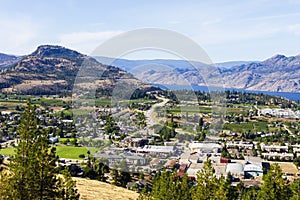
column 7, row 60
column 277, row 74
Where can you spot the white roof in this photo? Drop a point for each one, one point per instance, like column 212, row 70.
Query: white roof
column 252, row 168
column 235, row 168
column 152, row 148
column 199, row 145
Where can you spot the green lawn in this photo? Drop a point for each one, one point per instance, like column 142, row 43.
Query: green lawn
column 70, row 152
column 244, row 127
column 7, row 151
column 73, row 152
column 191, row 109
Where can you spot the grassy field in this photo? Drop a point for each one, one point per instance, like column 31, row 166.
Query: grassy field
column 233, row 111
column 73, row 152
column 191, row 109
column 7, row 151
column 244, row 127
column 70, row 152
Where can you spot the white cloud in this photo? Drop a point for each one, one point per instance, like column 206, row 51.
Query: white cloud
column 86, row 42
column 17, row 35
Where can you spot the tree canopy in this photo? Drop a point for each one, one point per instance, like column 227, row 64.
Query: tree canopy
column 32, row 172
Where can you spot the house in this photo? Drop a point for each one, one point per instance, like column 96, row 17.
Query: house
column 193, row 169
column 53, row 140
column 296, row 150
column 137, row 142
column 129, row 158
column 184, row 158
column 241, row 145
column 171, row 164
column 154, row 162
column 133, row 159
column 274, row 155
column 273, row 148
column 182, row 169
column 137, row 186
column 220, row 170
column 113, row 159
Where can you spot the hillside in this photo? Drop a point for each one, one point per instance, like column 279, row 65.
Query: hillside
column 93, row 190
column 53, row 70
column 7, row 60
column 277, row 74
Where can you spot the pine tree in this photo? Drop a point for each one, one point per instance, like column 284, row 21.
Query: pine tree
column 295, row 190
column 67, row 187
column 32, row 172
column 274, row 186
column 211, row 187
column 168, row 185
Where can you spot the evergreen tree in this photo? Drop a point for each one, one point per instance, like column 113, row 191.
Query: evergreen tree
column 250, row 193
column 274, row 187
column 67, row 187
column 32, row 172
column 167, row 185
column 210, row 187
column 295, row 189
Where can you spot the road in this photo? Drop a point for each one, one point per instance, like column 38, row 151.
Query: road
column 288, row 130
column 151, row 115
column 258, row 110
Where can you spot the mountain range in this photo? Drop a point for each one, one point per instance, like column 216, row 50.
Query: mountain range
column 131, row 65
column 53, row 69
column 277, row 74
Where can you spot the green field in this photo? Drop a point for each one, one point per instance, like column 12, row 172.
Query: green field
column 235, row 111
column 7, row 151
column 244, row 127
column 70, row 152
column 191, row 109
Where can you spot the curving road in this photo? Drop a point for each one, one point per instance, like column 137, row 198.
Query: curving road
column 151, row 115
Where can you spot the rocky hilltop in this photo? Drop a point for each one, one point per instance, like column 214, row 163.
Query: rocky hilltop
column 53, row 70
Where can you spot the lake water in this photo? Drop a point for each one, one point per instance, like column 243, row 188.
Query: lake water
column 289, row 95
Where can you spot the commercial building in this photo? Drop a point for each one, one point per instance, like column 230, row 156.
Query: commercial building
column 205, row 147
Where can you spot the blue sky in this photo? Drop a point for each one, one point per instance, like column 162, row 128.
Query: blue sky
column 227, row 30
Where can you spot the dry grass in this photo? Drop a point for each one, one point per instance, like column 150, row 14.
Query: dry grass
column 288, row 168
column 96, row 190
